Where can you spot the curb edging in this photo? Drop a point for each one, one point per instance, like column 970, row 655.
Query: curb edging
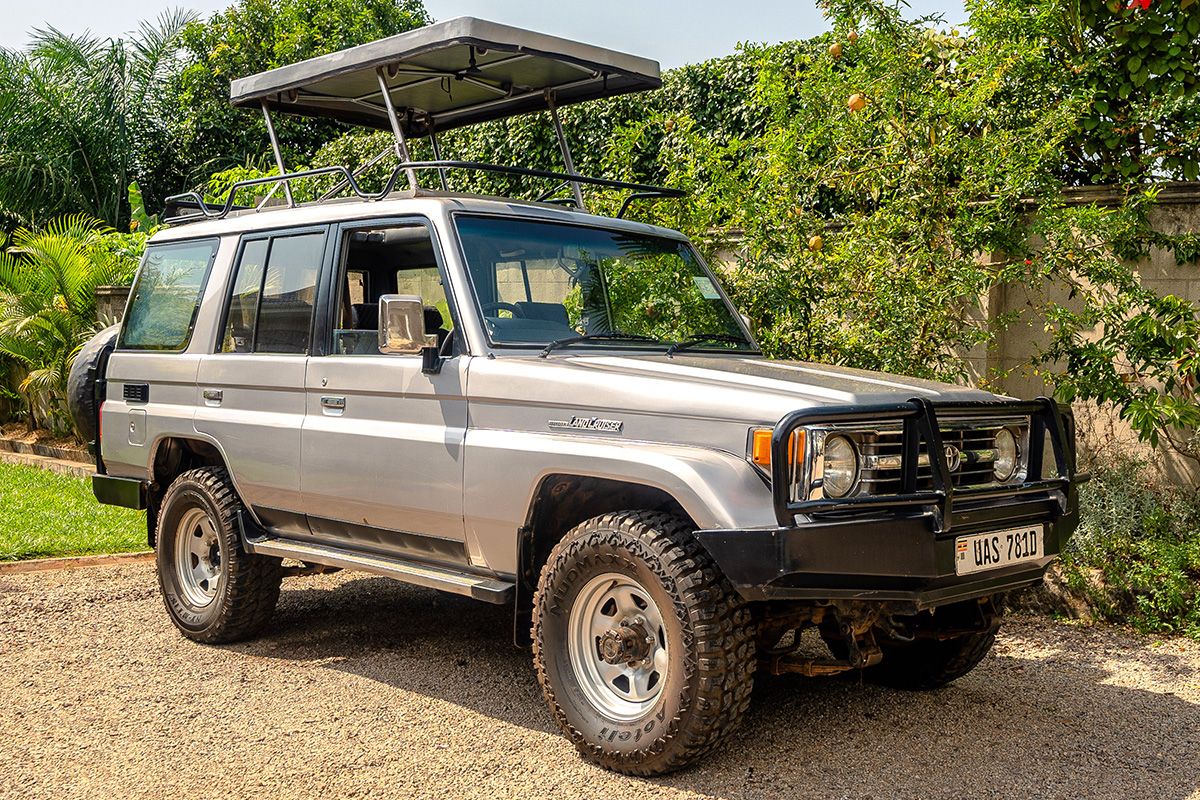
column 73, row 562
column 77, row 455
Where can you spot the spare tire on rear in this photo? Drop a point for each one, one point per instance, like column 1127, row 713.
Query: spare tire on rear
column 87, row 369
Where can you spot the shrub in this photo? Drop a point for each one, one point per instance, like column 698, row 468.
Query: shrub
column 1136, row 555
column 48, row 281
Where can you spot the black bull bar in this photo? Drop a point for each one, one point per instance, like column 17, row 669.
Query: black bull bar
column 921, row 420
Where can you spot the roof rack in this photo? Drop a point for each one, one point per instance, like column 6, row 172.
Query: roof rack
column 210, row 211
column 443, row 76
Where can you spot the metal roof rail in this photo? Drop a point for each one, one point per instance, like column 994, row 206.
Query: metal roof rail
column 211, row 211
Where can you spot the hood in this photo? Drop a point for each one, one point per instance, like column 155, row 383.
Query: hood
column 718, row 387
column 779, row 385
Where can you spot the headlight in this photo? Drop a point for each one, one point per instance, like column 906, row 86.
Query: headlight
column 1007, row 455
column 840, row 472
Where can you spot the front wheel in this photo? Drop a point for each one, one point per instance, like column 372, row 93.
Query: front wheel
column 643, row 650
column 214, row 590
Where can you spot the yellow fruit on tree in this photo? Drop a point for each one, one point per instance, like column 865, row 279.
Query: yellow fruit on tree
column 856, row 102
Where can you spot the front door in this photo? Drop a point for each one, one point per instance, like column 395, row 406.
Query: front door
column 381, row 446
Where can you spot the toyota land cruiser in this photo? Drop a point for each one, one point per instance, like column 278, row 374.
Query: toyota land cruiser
column 529, row 405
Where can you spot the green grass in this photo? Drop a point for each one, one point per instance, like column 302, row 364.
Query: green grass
column 44, row 514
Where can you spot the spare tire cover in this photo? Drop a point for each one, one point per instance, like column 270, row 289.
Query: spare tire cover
column 81, row 383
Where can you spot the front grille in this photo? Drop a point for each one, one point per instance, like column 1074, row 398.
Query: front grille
column 879, row 451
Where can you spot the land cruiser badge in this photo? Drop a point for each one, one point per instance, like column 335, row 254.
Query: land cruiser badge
column 587, row 424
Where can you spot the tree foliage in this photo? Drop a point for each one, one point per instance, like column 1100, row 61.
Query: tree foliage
column 82, row 117
column 1135, row 66
column 256, row 35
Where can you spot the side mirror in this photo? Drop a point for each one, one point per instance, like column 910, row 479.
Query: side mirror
column 402, row 325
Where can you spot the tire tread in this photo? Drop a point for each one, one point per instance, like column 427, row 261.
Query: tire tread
column 252, row 581
column 718, row 620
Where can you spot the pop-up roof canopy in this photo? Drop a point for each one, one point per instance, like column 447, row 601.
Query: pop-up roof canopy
column 457, row 72
column 428, row 80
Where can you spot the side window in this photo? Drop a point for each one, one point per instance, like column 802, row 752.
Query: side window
column 243, row 303
column 395, row 259
column 166, row 297
column 271, row 303
column 426, row 283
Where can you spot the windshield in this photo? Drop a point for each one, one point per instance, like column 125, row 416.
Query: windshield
column 539, row 282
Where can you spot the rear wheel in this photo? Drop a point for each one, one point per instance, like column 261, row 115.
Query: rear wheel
column 644, row 652
column 214, row 590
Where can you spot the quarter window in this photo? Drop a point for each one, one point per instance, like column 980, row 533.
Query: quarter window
column 166, row 297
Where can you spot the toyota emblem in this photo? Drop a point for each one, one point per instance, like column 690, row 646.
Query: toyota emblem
column 953, row 458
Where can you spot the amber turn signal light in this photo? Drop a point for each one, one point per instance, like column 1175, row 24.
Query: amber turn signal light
column 760, row 447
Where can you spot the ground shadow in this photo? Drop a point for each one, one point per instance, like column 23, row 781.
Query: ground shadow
column 1044, row 717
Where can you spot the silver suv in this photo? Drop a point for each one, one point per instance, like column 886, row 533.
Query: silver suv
column 533, row 406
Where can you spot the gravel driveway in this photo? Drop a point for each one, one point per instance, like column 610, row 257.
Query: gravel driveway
column 366, row 688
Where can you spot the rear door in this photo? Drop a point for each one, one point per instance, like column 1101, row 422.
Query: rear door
column 252, row 398
column 382, row 441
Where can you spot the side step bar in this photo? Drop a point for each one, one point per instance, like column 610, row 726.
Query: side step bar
column 490, row 590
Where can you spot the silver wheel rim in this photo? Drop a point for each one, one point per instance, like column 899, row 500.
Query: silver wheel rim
column 611, row 608
column 197, row 557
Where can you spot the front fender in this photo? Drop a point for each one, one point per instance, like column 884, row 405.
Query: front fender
column 716, row 488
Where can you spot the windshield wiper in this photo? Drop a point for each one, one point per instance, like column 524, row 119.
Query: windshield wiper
column 704, row 338
column 591, row 337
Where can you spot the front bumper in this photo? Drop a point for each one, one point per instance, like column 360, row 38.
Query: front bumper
column 899, row 549
column 900, row 560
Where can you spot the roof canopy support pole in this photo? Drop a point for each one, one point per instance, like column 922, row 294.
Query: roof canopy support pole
column 437, row 152
column 287, row 188
column 397, row 131
column 568, row 162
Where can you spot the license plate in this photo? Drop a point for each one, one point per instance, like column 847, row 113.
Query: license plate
column 983, row 551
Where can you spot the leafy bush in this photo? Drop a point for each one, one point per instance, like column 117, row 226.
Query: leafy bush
column 48, row 281
column 1136, row 555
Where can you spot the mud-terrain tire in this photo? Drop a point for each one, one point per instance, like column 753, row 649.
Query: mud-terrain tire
column 86, row 369
column 929, row 664
column 924, row 664
column 213, row 589
column 694, row 632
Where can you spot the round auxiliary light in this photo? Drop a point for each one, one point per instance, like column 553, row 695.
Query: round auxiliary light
column 1005, row 465
column 841, row 467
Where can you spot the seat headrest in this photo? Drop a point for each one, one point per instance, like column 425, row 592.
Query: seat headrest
column 433, row 319
column 364, row 316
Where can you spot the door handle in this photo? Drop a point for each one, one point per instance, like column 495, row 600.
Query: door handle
column 213, row 397
column 334, row 403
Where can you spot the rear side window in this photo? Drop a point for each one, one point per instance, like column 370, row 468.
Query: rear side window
column 274, row 290
column 166, row 296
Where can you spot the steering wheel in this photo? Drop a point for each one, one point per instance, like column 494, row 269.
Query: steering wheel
column 502, row 306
